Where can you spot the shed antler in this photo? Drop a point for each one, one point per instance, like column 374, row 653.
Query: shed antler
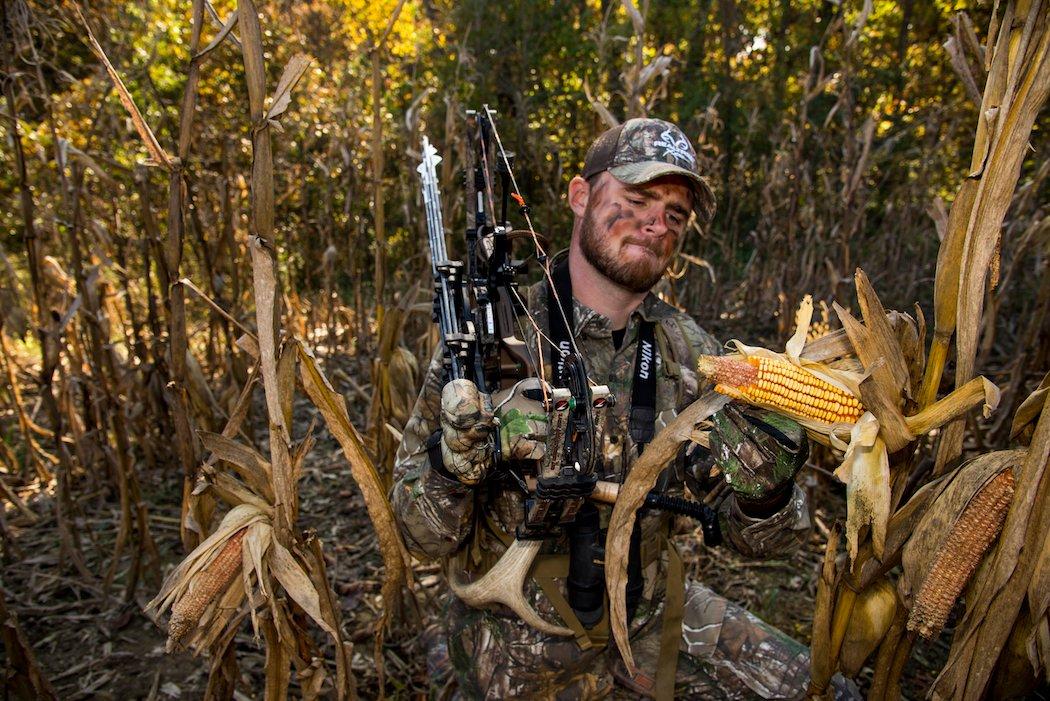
column 505, row 583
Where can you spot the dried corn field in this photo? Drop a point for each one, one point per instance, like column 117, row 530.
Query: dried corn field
column 214, row 316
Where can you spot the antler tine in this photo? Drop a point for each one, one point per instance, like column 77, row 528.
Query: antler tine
column 505, row 583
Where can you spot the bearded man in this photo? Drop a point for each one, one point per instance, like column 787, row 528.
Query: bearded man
column 631, row 205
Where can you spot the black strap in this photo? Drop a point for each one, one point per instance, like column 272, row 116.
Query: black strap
column 641, row 423
column 557, row 318
column 437, row 463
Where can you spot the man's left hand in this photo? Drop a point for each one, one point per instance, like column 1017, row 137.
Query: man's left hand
column 759, row 452
column 523, row 422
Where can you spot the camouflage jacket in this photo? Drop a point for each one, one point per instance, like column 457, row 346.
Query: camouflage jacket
column 440, row 517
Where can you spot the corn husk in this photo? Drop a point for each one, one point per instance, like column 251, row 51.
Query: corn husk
column 871, row 617
column 889, row 356
column 1015, row 573
column 256, row 539
column 930, row 534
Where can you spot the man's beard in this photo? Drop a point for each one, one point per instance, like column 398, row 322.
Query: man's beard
column 637, row 276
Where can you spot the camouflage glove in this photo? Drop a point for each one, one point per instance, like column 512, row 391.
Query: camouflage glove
column 523, row 422
column 466, row 430
column 759, row 452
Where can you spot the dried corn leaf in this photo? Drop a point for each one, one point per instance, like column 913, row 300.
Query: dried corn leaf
column 232, row 491
column 803, row 317
column 286, row 384
column 1030, row 408
column 333, row 407
column 979, row 390
column 249, row 344
column 1038, row 644
column 403, row 373
column 827, row 348
column 345, row 684
column 282, row 96
column 89, row 163
column 302, row 449
column 882, row 331
column 192, row 506
column 911, row 337
column 821, row 664
column 148, row 139
column 881, row 390
column 245, row 460
column 1000, row 586
column 285, row 494
column 946, row 290
column 188, row 284
column 1018, row 86
column 223, row 32
column 287, row 570
column 639, row 481
column 200, row 393
column 256, row 543
column 278, row 662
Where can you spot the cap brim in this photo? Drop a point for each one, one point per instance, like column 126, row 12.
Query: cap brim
column 646, row 171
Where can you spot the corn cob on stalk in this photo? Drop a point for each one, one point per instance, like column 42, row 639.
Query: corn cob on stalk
column 206, row 587
column 974, row 531
column 781, row 386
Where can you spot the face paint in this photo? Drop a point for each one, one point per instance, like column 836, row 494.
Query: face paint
column 611, row 230
column 602, row 251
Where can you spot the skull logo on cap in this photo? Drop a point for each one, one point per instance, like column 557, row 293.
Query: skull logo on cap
column 676, row 148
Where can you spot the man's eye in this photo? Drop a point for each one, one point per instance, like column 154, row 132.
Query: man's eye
column 635, row 201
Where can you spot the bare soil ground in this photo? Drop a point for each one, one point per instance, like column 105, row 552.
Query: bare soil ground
column 94, row 644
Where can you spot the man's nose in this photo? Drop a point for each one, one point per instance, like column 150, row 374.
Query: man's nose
column 656, row 223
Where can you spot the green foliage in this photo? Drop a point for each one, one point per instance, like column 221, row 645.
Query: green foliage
column 776, row 94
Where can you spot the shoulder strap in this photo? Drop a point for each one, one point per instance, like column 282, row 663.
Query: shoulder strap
column 643, row 389
column 671, row 626
column 561, row 334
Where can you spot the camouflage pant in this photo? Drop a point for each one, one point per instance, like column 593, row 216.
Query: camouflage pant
column 725, row 653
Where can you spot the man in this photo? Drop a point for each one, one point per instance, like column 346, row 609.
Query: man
column 631, row 205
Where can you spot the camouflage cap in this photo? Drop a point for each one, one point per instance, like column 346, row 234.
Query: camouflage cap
column 640, row 150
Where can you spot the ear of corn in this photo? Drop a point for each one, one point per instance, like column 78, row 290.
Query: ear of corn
column 207, row 586
column 779, row 385
column 973, row 532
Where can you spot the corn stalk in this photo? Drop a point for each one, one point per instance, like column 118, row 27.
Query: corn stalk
column 1017, row 86
column 49, row 334
column 257, row 552
column 22, row 676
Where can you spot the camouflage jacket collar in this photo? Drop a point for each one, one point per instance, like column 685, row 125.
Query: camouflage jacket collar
column 589, row 323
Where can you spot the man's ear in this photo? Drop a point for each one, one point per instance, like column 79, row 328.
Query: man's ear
column 579, row 194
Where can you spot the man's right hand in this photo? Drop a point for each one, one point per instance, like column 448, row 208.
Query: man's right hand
column 466, row 430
